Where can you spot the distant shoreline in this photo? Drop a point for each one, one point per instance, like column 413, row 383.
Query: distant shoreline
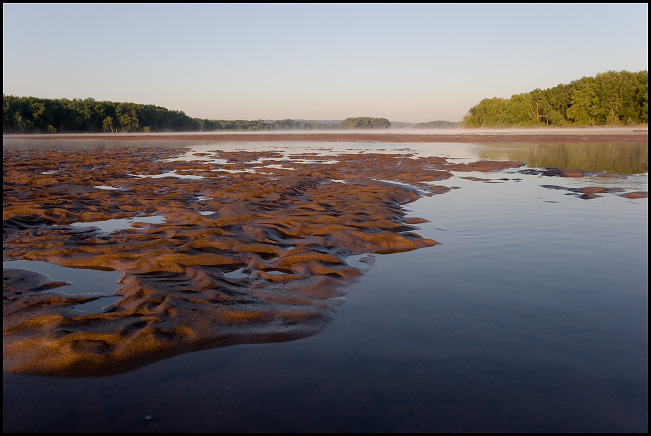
column 569, row 135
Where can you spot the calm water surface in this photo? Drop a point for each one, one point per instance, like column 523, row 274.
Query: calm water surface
column 530, row 316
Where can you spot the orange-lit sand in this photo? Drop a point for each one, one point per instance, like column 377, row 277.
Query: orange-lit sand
column 290, row 233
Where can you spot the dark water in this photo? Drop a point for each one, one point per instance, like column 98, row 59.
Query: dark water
column 530, row 316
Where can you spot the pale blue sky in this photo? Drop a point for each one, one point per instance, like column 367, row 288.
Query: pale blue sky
column 404, row 62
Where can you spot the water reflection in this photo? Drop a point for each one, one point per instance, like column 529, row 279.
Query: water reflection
column 619, row 158
column 81, row 281
column 530, row 316
column 111, row 225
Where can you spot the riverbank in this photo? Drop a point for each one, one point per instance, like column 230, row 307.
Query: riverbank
column 559, row 135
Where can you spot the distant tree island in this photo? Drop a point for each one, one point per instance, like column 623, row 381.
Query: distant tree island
column 614, row 98
column 365, row 123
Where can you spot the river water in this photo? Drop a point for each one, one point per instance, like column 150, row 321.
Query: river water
column 531, row 315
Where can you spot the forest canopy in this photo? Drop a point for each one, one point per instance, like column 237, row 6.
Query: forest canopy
column 613, row 98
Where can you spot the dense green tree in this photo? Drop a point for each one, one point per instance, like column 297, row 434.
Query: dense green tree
column 490, row 112
column 610, row 98
column 107, row 124
column 642, row 95
column 34, row 115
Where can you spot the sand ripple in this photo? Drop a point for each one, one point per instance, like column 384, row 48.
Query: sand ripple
column 242, row 257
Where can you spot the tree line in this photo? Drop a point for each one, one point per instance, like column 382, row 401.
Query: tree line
column 287, row 124
column 40, row 115
column 612, row 98
column 436, row 125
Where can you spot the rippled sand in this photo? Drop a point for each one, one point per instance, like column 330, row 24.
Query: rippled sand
column 245, row 255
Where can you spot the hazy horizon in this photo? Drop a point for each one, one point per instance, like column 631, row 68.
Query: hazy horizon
column 409, row 63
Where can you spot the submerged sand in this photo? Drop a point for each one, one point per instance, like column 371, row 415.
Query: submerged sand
column 242, row 257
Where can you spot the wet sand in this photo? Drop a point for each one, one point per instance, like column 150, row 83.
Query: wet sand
column 242, row 257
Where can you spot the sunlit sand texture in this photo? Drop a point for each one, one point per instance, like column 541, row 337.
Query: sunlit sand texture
column 248, row 252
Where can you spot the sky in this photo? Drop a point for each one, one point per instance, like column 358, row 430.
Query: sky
column 314, row 61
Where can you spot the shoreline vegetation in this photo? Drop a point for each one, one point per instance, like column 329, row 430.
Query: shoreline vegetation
column 612, row 99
